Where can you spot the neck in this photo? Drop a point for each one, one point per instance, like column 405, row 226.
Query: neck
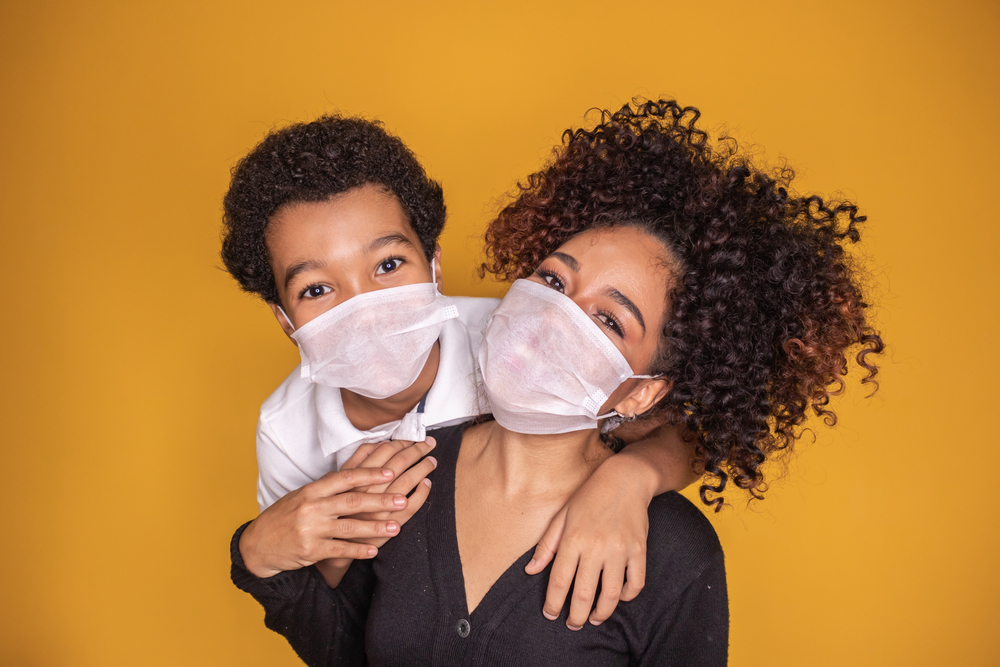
column 523, row 465
column 367, row 413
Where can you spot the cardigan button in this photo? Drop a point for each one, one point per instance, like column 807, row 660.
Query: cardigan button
column 463, row 628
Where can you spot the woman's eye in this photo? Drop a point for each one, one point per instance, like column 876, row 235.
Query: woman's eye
column 388, row 265
column 611, row 323
column 315, row 291
column 553, row 281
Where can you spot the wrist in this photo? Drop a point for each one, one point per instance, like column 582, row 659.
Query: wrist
column 250, row 555
column 635, row 472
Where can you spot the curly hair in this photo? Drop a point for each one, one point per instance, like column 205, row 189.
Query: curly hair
column 768, row 302
column 310, row 162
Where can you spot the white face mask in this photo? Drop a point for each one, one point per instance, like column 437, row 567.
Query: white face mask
column 375, row 344
column 547, row 367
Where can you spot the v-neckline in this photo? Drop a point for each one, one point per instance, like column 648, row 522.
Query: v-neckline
column 509, row 587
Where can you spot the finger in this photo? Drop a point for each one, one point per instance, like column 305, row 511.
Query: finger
column 359, row 502
column 416, row 501
column 612, row 579
column 548, row 545
column 635, row 578
column 399, row 464
column 588, row 576
column 342, row 549
column 409, row 456
column 359, row 455
column 358, row 529
column 333, row 483
column 560, row 579
column 384, row 453
column 408, row 481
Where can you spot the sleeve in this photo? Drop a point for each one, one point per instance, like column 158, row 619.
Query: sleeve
column 325, row 626
column 694, row 630
column 277, row 474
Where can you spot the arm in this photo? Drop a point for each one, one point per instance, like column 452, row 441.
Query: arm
column 695, row 629
column 324, row 626
column 603, row 527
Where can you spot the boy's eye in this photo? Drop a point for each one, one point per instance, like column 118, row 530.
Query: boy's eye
column 315, row 291
column 388, row 265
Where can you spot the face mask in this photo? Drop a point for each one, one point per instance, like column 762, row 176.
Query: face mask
column 375, row 344
column 546, row 366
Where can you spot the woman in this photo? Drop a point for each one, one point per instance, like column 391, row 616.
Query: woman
column 652, row 274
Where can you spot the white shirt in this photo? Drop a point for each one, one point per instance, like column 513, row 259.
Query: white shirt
column 304, row 433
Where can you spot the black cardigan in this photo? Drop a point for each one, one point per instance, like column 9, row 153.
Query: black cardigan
column 407, row 606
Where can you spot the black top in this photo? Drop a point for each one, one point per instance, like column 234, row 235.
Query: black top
column 407, row 606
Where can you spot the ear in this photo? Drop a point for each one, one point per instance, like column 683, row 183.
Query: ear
column 286, row 326
column 645, row 395
column 437, row 261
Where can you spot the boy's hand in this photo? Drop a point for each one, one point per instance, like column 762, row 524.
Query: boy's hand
column 310, row 524
column 596, row 538
column 601, row 532
column 410, row 466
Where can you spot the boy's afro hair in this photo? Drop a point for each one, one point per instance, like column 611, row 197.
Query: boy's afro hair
column 311, row 162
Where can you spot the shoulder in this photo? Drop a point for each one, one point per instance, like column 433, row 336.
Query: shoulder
column 449, row 437
column 292, row 392
column 474, row 312
column 682, row 541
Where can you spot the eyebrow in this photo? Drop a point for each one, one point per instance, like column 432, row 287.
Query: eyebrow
column 623, row 300
column 296, row 269
column 568, row 260
column 389, row 239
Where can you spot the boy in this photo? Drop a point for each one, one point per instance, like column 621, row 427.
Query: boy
column 323, row 216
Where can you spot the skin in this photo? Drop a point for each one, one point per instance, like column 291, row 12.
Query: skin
column 509, row 486
column 323, row 253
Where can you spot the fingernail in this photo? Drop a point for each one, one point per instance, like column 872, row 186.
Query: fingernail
column 432, row 442
column 399, row 501
column 372, row 551
column 386, row 473
column 530, row 563
column 593, row 622
column 392, row 528
column 427, row 482
column 549, row 616
column 574, row 628
column 433, row 461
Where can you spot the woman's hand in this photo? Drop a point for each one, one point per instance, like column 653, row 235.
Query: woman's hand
column 599, row 536
column 311, row 524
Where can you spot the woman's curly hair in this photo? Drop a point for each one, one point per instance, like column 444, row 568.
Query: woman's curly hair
column 309, row 162
column 767, row 303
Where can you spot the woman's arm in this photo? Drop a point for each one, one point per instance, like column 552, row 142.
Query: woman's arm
column 324, row 626
column 694, row 631
column 603, row 527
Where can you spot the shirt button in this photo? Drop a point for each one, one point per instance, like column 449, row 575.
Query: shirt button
column 463, row 628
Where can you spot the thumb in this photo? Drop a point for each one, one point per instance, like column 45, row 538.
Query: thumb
column 548, row 545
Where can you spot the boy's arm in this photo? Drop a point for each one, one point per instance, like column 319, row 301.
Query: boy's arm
column 603, row 527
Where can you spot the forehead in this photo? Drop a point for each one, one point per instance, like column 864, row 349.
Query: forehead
column 341, row 225
column 628, row 259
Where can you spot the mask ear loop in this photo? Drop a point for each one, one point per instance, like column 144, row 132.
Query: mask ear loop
column 434, row 273
column 287, row 318
column 615, row 413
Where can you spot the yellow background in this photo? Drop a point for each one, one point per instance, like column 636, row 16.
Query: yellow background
column 133, row 368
